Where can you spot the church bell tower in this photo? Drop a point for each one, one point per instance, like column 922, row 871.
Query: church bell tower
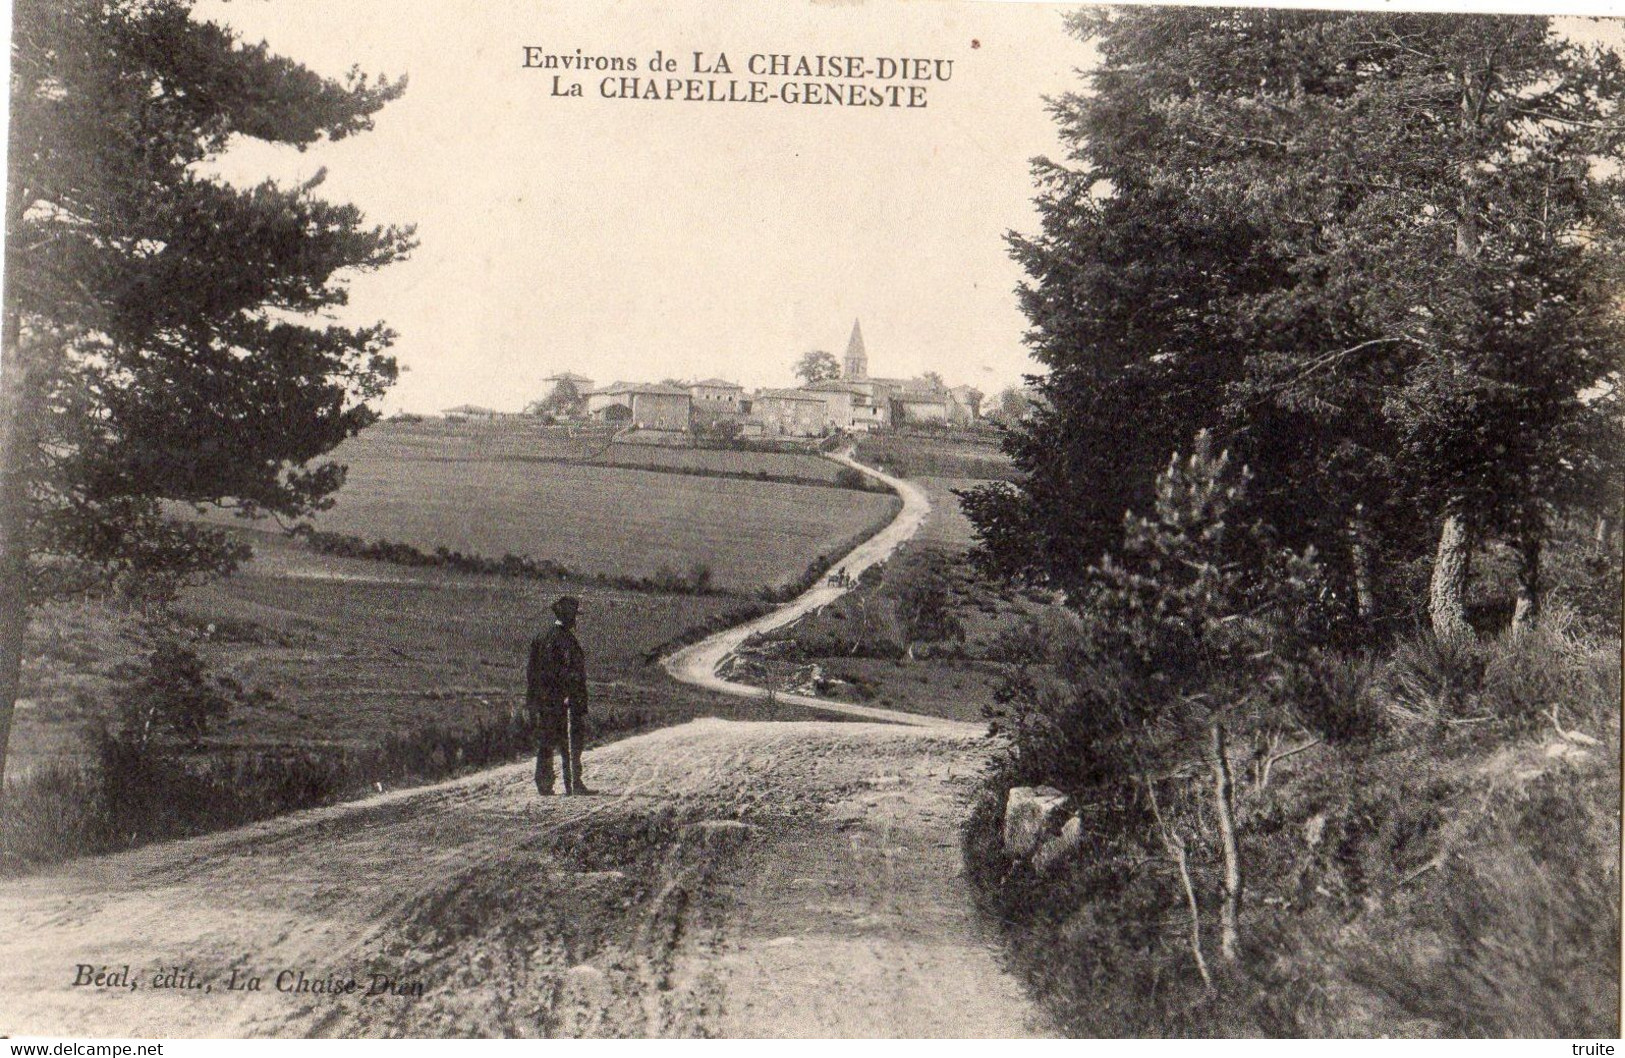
column 857, row 358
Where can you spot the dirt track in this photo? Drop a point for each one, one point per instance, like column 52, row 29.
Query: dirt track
column 729, row 879
column 697, row 664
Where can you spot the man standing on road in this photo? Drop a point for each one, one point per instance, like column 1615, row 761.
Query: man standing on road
column 556, row 694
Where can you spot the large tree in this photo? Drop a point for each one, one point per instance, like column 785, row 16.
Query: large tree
column 817, row 365
column 167, row 336
column 1375, row 252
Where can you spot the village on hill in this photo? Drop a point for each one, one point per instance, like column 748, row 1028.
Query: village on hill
column 851, row 401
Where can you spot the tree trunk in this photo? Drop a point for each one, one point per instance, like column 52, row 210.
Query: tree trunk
column 1224, row 808
column 1447, row 594
column 1365, row 594
column 1526, row 611
column 16, row 446
column 1176, row 845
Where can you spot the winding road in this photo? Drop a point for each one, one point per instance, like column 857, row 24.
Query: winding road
column 698, row 663
column 796, row 879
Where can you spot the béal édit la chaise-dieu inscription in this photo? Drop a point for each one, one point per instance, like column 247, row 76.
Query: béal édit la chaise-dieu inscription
column 761, row 77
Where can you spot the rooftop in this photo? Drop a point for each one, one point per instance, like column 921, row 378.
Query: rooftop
column 788, row 394
column 647, row 388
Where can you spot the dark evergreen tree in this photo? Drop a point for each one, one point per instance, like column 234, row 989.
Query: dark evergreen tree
column 162, row 332
column 1376, row 253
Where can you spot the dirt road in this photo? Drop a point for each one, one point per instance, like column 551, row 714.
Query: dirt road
column 737, row 879
column 697, row 664
column 730, row 879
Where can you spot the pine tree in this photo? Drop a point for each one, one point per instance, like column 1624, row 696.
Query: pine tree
column 161, row 333
column 1375, row 252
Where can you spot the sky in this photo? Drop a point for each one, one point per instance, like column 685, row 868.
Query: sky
column 641, row 240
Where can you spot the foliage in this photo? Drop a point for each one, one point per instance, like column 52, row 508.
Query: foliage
column 566, row 401
column 923, row 596
column 817, row 365
column 1529, row 939
column 166, row 319
column 1374, row 252
column 173, row 693
column 1400, row 884
column 1010, row 407
column 850, row 478
column 1208, row 617
column 722, row 431
column 699, row 580
column 167, row 336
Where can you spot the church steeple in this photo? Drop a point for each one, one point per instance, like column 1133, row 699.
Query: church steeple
column 857, row 358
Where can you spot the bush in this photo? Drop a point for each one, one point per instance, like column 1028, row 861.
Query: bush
column 665, row 579
column 1553, row 671
column 135, row 792
column 1517, row 679
column 1336, row 697
column 1429, row 679
column 175, row 695
column 1528, row 936
column 847, row 478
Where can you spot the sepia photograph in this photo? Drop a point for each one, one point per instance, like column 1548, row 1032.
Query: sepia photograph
column 810, row 519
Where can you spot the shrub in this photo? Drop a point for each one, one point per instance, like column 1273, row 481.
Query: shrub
column 1335, row 695
column 1553, row 671
column 1428, row 679
column 134, row 792
column 175, row 695
column 847, row 478
column 923, row 593
column 1528, row 935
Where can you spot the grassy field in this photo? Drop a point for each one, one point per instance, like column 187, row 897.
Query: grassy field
column 356, row 672
column 472, row 488
column 352, row 651
column 523, row 440
column 947, row 528
column 439, row 439
column 944, row 454
column 606, row 519
column 793, row 465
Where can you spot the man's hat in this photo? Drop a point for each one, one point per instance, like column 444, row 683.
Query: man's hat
column 567, row 605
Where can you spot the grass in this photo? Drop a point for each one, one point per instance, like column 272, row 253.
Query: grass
column 1443, row 861
column 363, row 672
column 856, row 645
column 393, row 442
column 609, row 520
column 352, row 651
column 769, row 466
column 942, row 454
column 375, row 676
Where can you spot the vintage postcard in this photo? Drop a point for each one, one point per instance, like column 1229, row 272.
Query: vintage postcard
column 854, row 518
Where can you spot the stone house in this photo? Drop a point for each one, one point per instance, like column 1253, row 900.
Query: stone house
column 716, row 394
column 920, row 407
column 643, row 405
column 791, row 413
column 850, row 405
column 716, row 400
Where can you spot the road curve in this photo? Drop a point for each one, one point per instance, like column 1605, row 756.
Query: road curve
column 697, row 664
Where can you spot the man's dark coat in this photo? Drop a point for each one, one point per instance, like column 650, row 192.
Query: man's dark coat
column 557, row 674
